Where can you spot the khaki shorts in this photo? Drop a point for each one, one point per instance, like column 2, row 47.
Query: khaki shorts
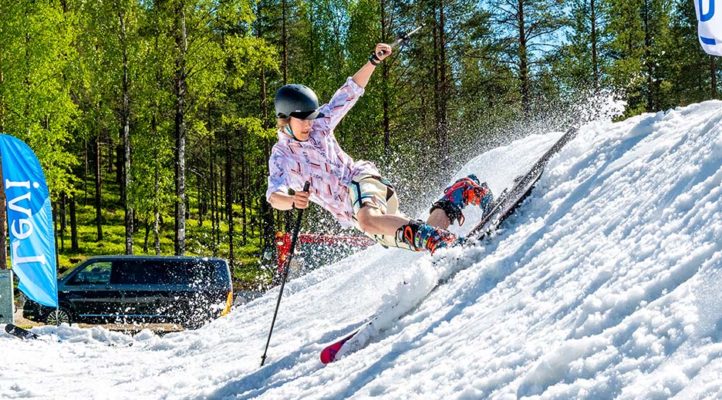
column 376, row 192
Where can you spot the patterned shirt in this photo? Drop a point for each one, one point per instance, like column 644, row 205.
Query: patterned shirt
column 320, row 160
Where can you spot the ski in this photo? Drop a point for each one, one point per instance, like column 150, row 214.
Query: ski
column 509, row 200
column 504, row 206
column 328, row 354
column 19, row 332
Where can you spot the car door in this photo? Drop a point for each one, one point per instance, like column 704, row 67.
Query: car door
column 90, row 292
column 139, row 287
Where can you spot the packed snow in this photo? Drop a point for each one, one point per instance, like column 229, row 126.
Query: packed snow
column 604, row 284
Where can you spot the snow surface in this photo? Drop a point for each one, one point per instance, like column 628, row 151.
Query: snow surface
column 604, row 284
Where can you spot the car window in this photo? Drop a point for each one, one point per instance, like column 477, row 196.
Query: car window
column 220, row 273
column 180, row 273
column 197, row 273
column 97, row 273
column 160, row 272
column 132, row 272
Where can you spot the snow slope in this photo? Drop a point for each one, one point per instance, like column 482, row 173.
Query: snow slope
column 605, row 284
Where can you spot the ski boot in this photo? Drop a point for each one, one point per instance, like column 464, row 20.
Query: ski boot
column 461, row 193
column 422, row 236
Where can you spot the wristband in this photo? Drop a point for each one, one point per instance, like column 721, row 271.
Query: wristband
column 374, row 60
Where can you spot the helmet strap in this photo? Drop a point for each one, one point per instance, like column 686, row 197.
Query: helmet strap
column 289, row 131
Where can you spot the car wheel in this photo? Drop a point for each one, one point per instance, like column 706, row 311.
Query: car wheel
column 58, row 316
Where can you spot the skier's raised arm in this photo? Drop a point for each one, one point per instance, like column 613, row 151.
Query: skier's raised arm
column 361, row 77
column 346, row 96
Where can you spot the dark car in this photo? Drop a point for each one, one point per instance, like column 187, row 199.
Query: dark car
column 186, row 290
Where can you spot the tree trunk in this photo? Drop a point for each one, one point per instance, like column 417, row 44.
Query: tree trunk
column 266, row 212
column 523, row 60
column 244, row 185
column 648, row 62
column 111, row 155
column 125, row 124
column 63, row 220
column 595, row 63
column 440, row 86
column 713, row 73
column 146, row 237
column 54, row 212
column 444, row 83
column 212, row 183
column 156, row 212
column 119, row 164
column 229, row 200
column 181, row 41
column 156, row 161
column 284, row 40
column 219, row 199
column 98, row 182
column 86, row 160
column 3, row 224
column 74, row 245
column 385, row 84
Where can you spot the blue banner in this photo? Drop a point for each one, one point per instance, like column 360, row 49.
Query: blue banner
column 710, row 26
column 30, row 222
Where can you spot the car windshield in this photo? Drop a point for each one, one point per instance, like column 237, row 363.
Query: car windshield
column 67, row 272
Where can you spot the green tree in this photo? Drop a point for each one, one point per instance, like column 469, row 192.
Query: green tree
column 527, row 29
column 639, row 31
column 694, row 75
column 35, row 104
column 582, row 62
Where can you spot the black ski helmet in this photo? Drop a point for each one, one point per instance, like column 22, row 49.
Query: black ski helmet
column 296, row 101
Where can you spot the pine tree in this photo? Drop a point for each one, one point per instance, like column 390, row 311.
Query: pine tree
column 526, row 29
column 582, row 62
column 640, row 38
column 694, row 75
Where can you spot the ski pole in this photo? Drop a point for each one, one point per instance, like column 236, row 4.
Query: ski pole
column 398, row 42
column 285, row 273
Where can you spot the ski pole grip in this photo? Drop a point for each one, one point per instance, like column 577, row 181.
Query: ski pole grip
column 374, row 58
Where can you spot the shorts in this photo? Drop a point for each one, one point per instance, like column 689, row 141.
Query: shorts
column 376, row 192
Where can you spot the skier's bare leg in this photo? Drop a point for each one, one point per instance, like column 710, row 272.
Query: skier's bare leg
column 372, row 221
column 438, row 219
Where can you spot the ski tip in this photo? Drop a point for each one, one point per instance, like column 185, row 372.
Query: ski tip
column 328, row 354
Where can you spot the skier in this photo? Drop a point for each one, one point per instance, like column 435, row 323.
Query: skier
column 353, row 191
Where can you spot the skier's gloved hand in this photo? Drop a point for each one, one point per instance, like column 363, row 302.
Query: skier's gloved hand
column 380, row 53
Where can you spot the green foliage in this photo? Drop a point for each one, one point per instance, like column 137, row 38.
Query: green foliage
column 471, row 79
column 640, row 42
column 35, row 104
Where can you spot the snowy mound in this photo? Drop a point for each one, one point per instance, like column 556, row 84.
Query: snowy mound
column 604, row 284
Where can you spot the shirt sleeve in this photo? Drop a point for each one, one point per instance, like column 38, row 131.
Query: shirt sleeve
column 340, row 104
column 276, row 174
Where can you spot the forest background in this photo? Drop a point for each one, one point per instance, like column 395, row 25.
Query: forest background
column 153, row 120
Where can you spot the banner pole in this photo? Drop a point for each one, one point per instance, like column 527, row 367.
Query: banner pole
column 7, row 303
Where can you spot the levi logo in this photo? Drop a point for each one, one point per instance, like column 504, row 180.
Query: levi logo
column 22, row 228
